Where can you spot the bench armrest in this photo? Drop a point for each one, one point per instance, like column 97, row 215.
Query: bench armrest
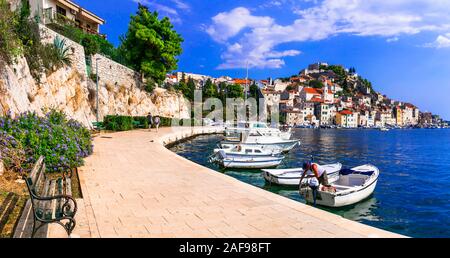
column 65, row 207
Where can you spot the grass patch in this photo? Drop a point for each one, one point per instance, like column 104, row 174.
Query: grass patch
column 8, row 185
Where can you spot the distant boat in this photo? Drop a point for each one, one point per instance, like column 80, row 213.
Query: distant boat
column 291, row 177
column 352, row 186
column 384, row 129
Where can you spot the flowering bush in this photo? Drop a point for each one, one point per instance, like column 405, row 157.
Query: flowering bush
column 11, row 152
column 61, row 141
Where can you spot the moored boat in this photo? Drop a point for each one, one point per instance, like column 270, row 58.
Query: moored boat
column 258, row 128
column 249, row 162
column 352, row 186
column 291, row 177
column 249, row 151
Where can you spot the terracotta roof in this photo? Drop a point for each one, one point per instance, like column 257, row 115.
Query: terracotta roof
column 317, row 100
column 242, row 81
column 310, row 90
column 346, row 112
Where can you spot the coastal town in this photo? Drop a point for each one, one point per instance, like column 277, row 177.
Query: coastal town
column 91, row 144
column 327, row 96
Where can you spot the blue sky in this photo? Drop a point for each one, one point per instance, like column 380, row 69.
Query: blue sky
column 402, row 46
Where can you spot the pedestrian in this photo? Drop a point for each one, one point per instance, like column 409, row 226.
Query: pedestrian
column 156, row 122
column 150, row 121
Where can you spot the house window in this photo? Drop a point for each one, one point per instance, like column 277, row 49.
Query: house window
column 61, row 11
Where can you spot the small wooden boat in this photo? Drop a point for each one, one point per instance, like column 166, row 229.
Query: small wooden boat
column 250, row 162
column 352, row 186
column 291, row 177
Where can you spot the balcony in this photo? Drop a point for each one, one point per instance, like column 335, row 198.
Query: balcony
column 50, row 16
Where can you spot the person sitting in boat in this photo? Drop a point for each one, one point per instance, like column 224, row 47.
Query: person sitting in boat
column 319, row 172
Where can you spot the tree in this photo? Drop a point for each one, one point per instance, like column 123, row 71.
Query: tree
column 234, row 91
column 10, row 42
column 209, row 90
column 151, row 45
column 190, row 89
column 316, row 84
column 254, row 89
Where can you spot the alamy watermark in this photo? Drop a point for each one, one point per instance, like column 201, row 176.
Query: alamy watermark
column 233, row 111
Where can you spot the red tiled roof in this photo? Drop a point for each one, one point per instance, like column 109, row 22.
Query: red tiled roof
column 317, row 100
column 242, row 81
column 310, row 90
column 346, row 112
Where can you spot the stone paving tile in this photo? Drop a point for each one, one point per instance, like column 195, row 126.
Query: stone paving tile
column 135, row 188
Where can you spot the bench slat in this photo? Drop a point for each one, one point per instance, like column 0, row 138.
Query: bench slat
column 69, row 187
column 43, row 206
column 35, row 173
column 38, row 186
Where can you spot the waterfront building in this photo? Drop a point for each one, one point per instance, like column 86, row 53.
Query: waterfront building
column 347, row 119
column 294, row 117
column 398, row 111
column 323, row 112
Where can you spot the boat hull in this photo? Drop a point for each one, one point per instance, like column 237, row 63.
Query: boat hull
column 336, row 201
column 249, row 164
column 351, row 188
column 291, row 177
column 283, row 146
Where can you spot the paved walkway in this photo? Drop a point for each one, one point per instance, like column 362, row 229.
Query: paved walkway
column 134, row 187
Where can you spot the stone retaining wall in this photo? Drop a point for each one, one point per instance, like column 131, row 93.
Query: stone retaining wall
column 113, row 73
column 77, row 51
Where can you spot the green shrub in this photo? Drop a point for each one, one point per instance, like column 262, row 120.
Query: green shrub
column 118, row 123
column 61, row 141
column 90, row 44
column 10, row 43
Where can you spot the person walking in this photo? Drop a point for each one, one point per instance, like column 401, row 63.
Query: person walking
column 150, row 121
column 156, row 122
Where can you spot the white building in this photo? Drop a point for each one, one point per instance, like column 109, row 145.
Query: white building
column 63, row 11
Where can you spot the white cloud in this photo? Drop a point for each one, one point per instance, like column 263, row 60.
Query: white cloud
column 394, row 39
column 229, row 24
column 442, row 41
column 169, row 11
column 258, row 37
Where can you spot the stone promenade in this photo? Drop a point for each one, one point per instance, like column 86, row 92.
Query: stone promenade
column 134, row 187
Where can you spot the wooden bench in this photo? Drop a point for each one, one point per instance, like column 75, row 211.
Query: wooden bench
column 51, row 199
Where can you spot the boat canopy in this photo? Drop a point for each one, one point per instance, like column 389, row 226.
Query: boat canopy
column 346, row 171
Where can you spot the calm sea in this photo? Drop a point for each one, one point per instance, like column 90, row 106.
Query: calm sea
column 413, row 193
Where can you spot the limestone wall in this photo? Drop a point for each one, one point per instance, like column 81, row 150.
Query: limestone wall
column 77, row 51
column 70, row 90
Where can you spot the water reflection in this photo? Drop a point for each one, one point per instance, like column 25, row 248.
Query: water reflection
column 412, row 196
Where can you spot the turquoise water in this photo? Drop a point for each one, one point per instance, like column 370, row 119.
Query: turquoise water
column 413, row 193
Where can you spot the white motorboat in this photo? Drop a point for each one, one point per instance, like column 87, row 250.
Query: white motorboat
column 250, row 162
column 250, row 151
column 268, row 142
column 384, row 129
column 291, row 177
column 352, row 186
column 260, row 128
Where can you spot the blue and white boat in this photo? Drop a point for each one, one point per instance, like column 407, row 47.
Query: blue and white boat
column 247, row 161
column 352, row 186
column 291, row 177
